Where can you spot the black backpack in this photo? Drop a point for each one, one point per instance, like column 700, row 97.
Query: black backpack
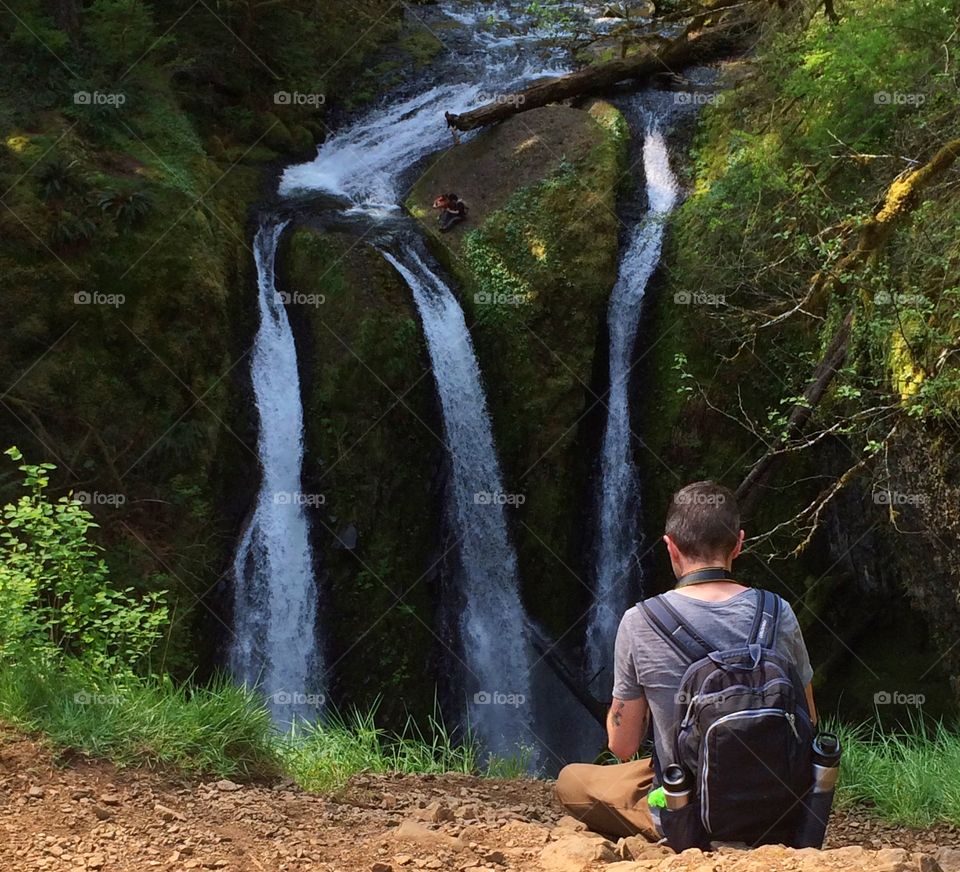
column 744, row 733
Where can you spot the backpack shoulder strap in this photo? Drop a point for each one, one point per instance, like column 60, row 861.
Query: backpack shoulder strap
column 668, row 624
column 766, row 621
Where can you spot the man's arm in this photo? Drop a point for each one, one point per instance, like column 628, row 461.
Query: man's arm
column 626, row 724
column 811, row 707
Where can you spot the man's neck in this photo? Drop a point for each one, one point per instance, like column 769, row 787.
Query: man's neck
column 710, row 591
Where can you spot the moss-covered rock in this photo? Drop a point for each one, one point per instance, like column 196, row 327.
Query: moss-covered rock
column 373, row 450
column 536, row 261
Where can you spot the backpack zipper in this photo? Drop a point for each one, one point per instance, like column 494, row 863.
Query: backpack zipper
column 705, row 766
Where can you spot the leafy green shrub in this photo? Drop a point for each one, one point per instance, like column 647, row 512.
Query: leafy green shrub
column 127, row 208
column 55, row 597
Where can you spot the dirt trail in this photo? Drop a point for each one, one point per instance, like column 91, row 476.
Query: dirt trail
column 87, row 815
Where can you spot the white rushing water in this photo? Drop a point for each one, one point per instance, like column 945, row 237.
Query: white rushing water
column 495, row 648
column 275, row 606
column 498, row 50
column 490, row 50
column 619, row 503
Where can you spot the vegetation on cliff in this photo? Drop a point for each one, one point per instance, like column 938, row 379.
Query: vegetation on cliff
column 820, row 186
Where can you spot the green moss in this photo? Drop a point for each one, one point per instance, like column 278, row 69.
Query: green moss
column 373, row 448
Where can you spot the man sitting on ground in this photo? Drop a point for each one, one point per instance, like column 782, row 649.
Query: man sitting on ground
column 702, row 533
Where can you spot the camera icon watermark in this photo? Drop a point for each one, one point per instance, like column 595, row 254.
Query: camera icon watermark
column 496, row 697
column 286, row 298
column 896, row 697
column 298, row 698
column 498, row 498
column 296, row 498
column 99, row 98
column 95, row 298
column 899, row 98
column 499, row 298
column 699, row 499
column 96, row 498
column 687, row 298
column 697, row 98
column 298, row 98
column 83, row 697
column 895, row 498
column 502, row 99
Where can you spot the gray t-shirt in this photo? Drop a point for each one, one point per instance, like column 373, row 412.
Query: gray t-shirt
column 645, row 665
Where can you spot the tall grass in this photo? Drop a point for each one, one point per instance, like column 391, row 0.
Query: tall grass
column 224, row 730
column 324, row 757
column 219, row 729
column 910, row 777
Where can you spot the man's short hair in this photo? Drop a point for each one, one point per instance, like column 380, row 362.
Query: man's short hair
column 703, row 520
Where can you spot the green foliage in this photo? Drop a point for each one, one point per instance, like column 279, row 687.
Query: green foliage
column 220, row 729
column 127, row 208
column 55, row 600
column 120, row 32
column 909, row 777
column 325, row 756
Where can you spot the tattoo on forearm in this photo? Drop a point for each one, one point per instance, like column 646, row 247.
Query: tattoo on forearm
column 618, row 714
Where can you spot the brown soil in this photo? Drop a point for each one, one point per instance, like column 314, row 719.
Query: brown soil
column 89, row 815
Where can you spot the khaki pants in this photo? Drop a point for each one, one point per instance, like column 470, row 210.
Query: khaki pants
column 609, row 799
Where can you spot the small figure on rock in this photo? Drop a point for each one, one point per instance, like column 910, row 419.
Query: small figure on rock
column 452, row 211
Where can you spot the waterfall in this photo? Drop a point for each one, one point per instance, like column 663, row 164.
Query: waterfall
column 275, row 606
column 494, row 645
column 619, row 491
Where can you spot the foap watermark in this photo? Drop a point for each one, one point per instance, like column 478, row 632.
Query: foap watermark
column 899, row 98
column 295, row 498
column 896, row 697
column 499, row 298
column 895, row 498
column 496, row 697
column 498, row 498
column 298, row 698
column 697, row 98
column 299, row 98
column 297, row 299
column 699, row 499
column 95, row 298
column 688, row 298
column 99, row 98
column 96, row 498
column 502, row 99
column 885, row 298
column 84, row 697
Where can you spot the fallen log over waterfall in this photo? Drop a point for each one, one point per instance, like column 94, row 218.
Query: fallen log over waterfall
column 669, row 57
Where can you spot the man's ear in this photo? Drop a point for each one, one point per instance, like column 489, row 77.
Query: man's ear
column 672, row 549
column 738, row 547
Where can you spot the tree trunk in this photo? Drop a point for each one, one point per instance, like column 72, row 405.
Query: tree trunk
column 750, row 489
column 674, row 55
column 66, row 16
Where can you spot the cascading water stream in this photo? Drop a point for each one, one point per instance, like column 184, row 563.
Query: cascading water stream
column 275, row 607
column 492, row 49
column 494, row 645
column 619, row 490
